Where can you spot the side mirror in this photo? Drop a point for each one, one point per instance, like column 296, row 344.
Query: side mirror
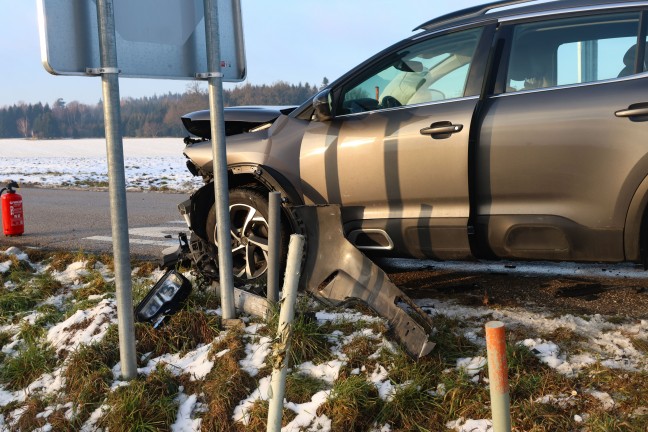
column 322, row 106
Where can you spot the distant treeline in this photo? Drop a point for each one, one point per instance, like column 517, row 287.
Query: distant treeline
column 144, row 117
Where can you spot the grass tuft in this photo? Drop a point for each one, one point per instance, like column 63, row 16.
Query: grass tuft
column 226, row 385
column 143, row 269
column 358, row 350
column 36, row 255
column 300, row 388
column 28, row 420
column 49, row 314
column 640, row 345
column 33, row 360
column 183, row 332
column 352, row 405
column 60, row 423
column 5, row 338
column 45, row 284
column 18, row 270
column 347, row 327
column 89, row 373
column 61, row 260
column 95, row 285
column 408, row 409
column 203, row 298
column 14, row 302
column 309, row 342
column 451, row 344
column 31, row 334
column 144, row 405
column 258, row 417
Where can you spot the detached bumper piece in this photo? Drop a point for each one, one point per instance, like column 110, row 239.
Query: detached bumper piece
column 336, row 272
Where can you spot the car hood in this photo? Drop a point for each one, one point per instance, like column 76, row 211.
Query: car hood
column 238, row 119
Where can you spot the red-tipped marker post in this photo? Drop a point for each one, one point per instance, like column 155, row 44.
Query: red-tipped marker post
column 498, row 376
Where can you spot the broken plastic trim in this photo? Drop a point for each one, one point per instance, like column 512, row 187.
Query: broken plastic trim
column 336, row 272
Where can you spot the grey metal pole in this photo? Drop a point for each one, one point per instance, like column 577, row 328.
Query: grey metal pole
column 221, row 189
column 284, row 335
column 117, row 187
column 274, row 241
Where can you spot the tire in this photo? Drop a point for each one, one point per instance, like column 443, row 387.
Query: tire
column 249, row 238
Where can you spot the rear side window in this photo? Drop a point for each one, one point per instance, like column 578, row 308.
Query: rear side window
column 572, row 51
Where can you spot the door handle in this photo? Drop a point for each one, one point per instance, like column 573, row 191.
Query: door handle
column 634, row 110
column 442, row 129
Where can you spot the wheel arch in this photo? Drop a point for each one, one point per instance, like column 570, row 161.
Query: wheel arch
column 635, row 233
column 244, row 175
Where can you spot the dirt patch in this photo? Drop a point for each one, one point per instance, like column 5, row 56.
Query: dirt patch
column 623, row 298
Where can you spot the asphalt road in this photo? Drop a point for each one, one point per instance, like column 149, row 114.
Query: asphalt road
column 76, row 220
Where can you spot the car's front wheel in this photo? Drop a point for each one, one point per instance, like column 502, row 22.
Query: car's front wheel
column 248, row 235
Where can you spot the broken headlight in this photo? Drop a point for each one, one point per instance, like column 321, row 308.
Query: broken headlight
column 165, row 298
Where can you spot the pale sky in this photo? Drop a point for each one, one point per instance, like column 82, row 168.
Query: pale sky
column 290, row 40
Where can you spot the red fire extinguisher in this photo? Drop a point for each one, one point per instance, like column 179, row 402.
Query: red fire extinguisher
column 13, row 222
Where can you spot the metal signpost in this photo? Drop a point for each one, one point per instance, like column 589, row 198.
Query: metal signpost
column 219, row 159
column 154, row 39
column 117, row 188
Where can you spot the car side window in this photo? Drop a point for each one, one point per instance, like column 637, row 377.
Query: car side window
column 572, row 51
column 432, row 70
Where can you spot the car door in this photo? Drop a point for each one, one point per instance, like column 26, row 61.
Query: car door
column 395, row 153
column 559, row 160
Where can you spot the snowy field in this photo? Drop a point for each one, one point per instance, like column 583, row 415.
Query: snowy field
column 150, row 163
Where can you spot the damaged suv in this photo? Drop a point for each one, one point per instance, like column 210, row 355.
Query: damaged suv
column 512, row 130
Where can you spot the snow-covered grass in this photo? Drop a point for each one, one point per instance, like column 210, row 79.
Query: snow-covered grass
column 60, row 366
column 150, row 163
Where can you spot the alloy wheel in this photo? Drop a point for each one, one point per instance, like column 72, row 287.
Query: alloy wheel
column 249, row 231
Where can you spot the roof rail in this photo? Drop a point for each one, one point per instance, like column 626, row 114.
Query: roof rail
column 470, row 12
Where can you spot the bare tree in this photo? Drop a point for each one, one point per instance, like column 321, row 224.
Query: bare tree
column 23, row 126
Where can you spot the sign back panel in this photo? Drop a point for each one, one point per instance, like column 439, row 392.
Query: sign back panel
column 155, row 38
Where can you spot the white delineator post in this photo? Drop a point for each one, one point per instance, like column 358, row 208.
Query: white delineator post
column 498, row 376
column 284, row 333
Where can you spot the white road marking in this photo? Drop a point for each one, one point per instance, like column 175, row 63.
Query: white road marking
column 147, row 235
column 135, row 241
column 156, row 232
